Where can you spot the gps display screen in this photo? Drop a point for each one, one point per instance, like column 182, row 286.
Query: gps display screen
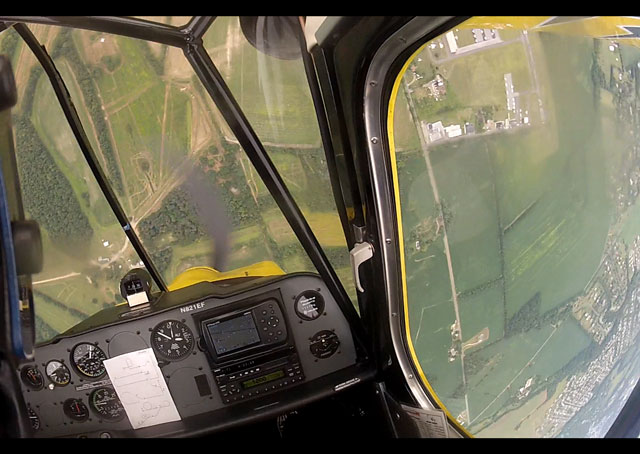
column 233, row 334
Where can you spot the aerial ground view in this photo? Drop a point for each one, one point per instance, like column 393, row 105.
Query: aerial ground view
column 188, row 189
column 519, row 175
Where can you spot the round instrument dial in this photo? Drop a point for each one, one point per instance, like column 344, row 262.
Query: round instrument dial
column 105, row 403
column 32, row 377
column 33, row 418
column 324, row 343
column 172, row 340
column 309, row 305
column 75, row 409
column 87, row 359
column 58, row 373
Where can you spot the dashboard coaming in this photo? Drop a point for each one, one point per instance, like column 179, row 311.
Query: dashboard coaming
column 191, row 380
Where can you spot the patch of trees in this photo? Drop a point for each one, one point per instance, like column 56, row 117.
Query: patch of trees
column 111, row 61
column 162, row 258
column 63, row 46
column 10, row 40
column 234, row 192
column 177, row 217
column 526, row 318
column 48, row 195
column 483, row 114
column 474, row 362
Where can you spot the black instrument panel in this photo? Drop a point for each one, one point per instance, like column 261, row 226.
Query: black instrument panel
column 223, row 357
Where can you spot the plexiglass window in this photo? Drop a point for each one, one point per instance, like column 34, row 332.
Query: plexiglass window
column 272, row 90
column 186, row 186
column 518, row 167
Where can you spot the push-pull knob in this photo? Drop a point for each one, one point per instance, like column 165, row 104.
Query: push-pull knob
column 360, row 253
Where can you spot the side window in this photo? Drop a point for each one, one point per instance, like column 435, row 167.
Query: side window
column 518, row 170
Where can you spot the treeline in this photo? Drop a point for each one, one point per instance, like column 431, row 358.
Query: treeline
column 63, row 46
column 598, row 77
column 48, row 195
column 157, row 63
column 44, row 331
column 529, row 316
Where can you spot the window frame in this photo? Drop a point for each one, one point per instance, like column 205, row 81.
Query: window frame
column 380, row 85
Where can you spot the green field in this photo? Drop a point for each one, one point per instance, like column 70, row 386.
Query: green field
column 464, row 178
column 536, row 202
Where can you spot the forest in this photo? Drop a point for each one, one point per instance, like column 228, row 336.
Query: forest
column 63, row 46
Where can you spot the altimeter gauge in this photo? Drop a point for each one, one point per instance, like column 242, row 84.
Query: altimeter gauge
column 87, row 359
column 172, row 340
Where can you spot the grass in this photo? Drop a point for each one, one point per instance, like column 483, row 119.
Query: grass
column 478, row 79
column 465, row 183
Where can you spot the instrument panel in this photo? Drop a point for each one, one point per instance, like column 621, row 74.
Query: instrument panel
column 224, row 354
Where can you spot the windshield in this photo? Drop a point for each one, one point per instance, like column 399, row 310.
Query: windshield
column 188, row 189
column 518, row 170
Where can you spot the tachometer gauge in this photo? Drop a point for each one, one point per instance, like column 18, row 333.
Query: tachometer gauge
column 172, row 340
column 58, row 373
column 76, row 409
column 105, row 403
column 33, row 418
column 32, row 377
column 87, row 359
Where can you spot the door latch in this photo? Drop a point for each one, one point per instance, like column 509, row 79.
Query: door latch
column 360, row 253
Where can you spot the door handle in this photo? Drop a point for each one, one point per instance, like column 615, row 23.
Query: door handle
column 360, row 253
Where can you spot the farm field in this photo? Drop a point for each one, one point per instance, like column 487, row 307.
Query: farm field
column 503, row 229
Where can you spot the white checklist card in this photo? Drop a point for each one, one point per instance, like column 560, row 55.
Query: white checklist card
column 141, row 388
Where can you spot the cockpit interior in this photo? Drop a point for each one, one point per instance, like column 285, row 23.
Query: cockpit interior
column 367, row 227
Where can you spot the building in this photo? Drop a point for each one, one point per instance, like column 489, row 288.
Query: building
column 451, row 42
column 433, row 131
column 511, row 98
column 453, row 131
